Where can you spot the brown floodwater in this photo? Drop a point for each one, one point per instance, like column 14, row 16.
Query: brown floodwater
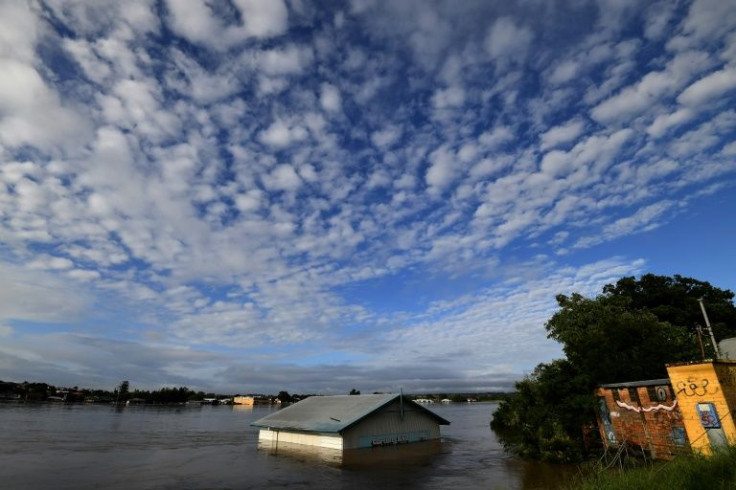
column 213, row 447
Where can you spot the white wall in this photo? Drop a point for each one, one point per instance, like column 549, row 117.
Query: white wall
column 330, row 441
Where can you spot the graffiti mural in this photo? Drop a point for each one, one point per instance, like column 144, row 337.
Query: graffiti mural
column 647, row 409
column 695, row 387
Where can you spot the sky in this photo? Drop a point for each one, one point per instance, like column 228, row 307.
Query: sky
column 249, row 196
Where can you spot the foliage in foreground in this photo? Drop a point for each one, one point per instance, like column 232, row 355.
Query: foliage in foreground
column 628, row 333
column 692, row 472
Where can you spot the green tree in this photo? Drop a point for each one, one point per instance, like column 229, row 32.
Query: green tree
column 675, row 300
column 284, row 396
column 628, row 333
column 610, row 341
column 122, row 392
column 545, row 417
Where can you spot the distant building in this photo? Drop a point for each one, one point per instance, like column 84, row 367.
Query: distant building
column 254, row 400
column 642, row 414
column 350, row 422
column 244, row 400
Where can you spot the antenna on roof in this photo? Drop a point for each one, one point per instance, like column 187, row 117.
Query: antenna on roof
column 710, row 330
column 401, row 403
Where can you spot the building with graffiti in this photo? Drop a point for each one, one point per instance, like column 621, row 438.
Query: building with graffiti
column 643, row 415
column 692, row 410
column 706, row 395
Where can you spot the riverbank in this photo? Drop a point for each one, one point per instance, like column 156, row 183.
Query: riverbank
column 690, row 472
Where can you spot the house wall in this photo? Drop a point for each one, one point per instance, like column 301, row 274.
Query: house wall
column 274, row 437
column 702, row 385
column 387, row 426
column 645, row 416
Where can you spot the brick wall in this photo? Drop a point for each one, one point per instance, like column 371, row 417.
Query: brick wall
column 642, row 416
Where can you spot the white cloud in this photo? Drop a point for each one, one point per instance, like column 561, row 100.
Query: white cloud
column 283, row 177
column 263, row 18
column 507, row 40
column 53, row 263
column 198, row 22
column 709, row 87
column 706, row 21
column 289, row 60
column 442, row 171
column 666, row 121
column 330, row 98
column 562, row 134
column 651, row 88
column 387, row 137
column 19, row 31
column 32, row 113
column 496, row 137
column 281, row 134
column 449, row 97
column 84, row 275
column 644, row 219
column 38, row 296
column 564, row 72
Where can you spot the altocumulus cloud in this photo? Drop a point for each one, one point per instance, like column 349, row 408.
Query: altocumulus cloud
column 264, row 195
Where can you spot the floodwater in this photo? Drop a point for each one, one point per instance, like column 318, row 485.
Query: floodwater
column 213, row 447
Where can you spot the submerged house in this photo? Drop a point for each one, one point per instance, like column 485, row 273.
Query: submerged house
column 350, row 422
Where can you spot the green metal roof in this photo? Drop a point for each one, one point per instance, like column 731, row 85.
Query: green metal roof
column 333, row 414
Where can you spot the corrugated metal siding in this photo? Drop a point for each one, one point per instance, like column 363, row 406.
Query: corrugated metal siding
column 387, row 427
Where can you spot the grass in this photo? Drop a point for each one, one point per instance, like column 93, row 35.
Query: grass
column 690, row 472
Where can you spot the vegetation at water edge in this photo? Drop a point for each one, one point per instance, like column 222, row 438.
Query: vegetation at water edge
column 690, row 472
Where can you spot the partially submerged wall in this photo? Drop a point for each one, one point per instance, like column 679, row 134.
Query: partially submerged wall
column 274, row 437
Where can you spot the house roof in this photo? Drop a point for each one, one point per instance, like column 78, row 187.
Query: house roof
column 635, row 384
column 334, row 414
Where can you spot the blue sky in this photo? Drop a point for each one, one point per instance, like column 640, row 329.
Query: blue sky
column 257, row 195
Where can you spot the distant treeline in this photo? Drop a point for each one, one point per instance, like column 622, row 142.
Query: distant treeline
column 25, row 391
column 121, row 394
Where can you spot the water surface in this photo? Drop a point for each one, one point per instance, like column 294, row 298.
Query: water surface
column 204, row 447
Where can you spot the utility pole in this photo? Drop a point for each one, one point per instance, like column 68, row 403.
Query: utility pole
column 699, row 331
column 710, row 330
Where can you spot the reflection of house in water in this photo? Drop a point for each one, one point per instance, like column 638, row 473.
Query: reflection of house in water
column 348, row 422
column 642, row 414
column 692, row 409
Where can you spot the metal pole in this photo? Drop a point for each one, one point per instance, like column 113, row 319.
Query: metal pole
column 710, row 330
column 699, row 331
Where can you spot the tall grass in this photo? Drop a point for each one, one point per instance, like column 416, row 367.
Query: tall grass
column 689, row 472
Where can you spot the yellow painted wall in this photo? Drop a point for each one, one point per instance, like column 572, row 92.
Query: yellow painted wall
column 700, row 383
